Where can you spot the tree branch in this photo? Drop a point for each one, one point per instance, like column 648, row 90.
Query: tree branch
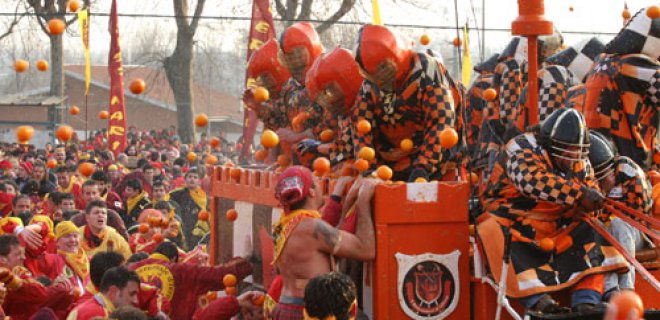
column 346, row 6
column 291, row 9
column 198, row 13
column 305, row 10
column 281, row 10
column 17, row 19
column 180, row 12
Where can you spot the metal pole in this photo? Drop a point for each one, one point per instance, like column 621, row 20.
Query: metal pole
column 483, row 29
column 458, row 34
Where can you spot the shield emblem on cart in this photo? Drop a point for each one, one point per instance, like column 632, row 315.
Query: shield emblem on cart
column 428, row 284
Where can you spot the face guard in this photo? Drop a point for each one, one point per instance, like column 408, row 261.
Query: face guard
column 334, row 80
column 300, row 46
column 264, row 61
column 566, row 133
column 376, row 44
column 601, row 155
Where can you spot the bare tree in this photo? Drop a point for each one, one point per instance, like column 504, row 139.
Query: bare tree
column 45, row 10
column 178, row 67
column 289, row 12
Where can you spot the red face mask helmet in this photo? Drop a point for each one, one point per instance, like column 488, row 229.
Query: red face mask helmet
column 339, row 66
column 378, row 43
column 302, row 34
column 264, row 60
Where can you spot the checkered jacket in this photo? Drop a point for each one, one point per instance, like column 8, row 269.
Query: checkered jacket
column 523, row 180
column 273, row 115
column 632, row 187
column 625, row 90
column 419, row 109
column 296, row 101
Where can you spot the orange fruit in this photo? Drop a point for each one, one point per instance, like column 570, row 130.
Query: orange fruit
column 74, row 110
column 231, row 214
column 261, row 94
column 269, row 139
column 259, row 300
column 361, row 165
column 164, row 223
column 212, row 295
column 56, row 26
column 490, row 94
column 137, row 86
column 474, row 178
column 260, row 155
column 363, row 126
column 283, row 160
column 21, row 65
column 653, row 12
column 73, row 5
column 425, row 39
column 235, row 173
column 457, row 42
column 228, row 164
column 321, row 165
column 384, row 172
column 64, row 133
column 203, row 215
column 153, row 220
column 158, row 237
column 656, row 157
column 448, row 138
column 230, row 291
column 143, row 228
column 191, row 156
column 103, row 115
column 51, row 163
column 229, row 280
column 76, row 292
column 24, row 133
column 406, row 145
column 627, row 302
column 201, row 120
column 211, row 159
column 86, row 168
column 326, row 135
column 625, row 14
column 547, row 244
column 348, row 170
column 214, row 142
column 367, row 153
column 420, row 180
column 42, row 65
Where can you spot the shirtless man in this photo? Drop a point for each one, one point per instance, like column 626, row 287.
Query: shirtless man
column 305, row 244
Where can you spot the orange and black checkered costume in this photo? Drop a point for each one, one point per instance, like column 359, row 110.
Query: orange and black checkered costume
column 273, row 115
column 419, row 110
column 475, row 107
column 632, row 187
column 341, row 148
column 297, row 101
column 532, row 200
column 625, row 91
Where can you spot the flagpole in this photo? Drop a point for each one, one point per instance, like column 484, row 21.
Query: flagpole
column 458, row 33
column 86, row 114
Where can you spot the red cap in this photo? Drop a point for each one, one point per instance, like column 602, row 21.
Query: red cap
column 293, row 186
column 378, row 43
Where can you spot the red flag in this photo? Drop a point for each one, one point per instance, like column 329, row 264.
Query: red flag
column 116, row 108
column 262, row 29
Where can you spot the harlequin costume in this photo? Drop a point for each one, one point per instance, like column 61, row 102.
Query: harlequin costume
column 419, row 108
column 509, row 78
column 529, row 197
column 191, row 203
column 182, row 283
column 336, row 67
column 631, row 188
column 302, row 113
column 107, row 240
column 624, row 88
column 265, row 61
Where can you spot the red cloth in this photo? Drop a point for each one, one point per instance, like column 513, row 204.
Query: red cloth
column 5, row 203
column 114, row 202
column 31, row 296
column 46, row 264
column 275, row 289
column 149, row 300
column 89, row 309
column 139, row 244
column 220, row 309
column 331, row 212
column 190, row 281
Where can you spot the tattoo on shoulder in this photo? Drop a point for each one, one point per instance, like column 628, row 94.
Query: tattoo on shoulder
column 326, row 233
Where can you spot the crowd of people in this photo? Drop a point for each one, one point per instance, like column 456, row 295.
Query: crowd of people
column 86, row 234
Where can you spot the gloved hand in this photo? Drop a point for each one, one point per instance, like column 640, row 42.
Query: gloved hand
column 591, row 199
column 418, row 173
column 308, row 146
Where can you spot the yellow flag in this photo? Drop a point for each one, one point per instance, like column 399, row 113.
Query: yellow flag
column 376, row 13
column 467, row 61
column 83, row 18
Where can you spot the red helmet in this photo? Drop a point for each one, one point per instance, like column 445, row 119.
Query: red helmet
column 377, row 43
column 337, row 65
column 302, row 34
column 264, row 60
